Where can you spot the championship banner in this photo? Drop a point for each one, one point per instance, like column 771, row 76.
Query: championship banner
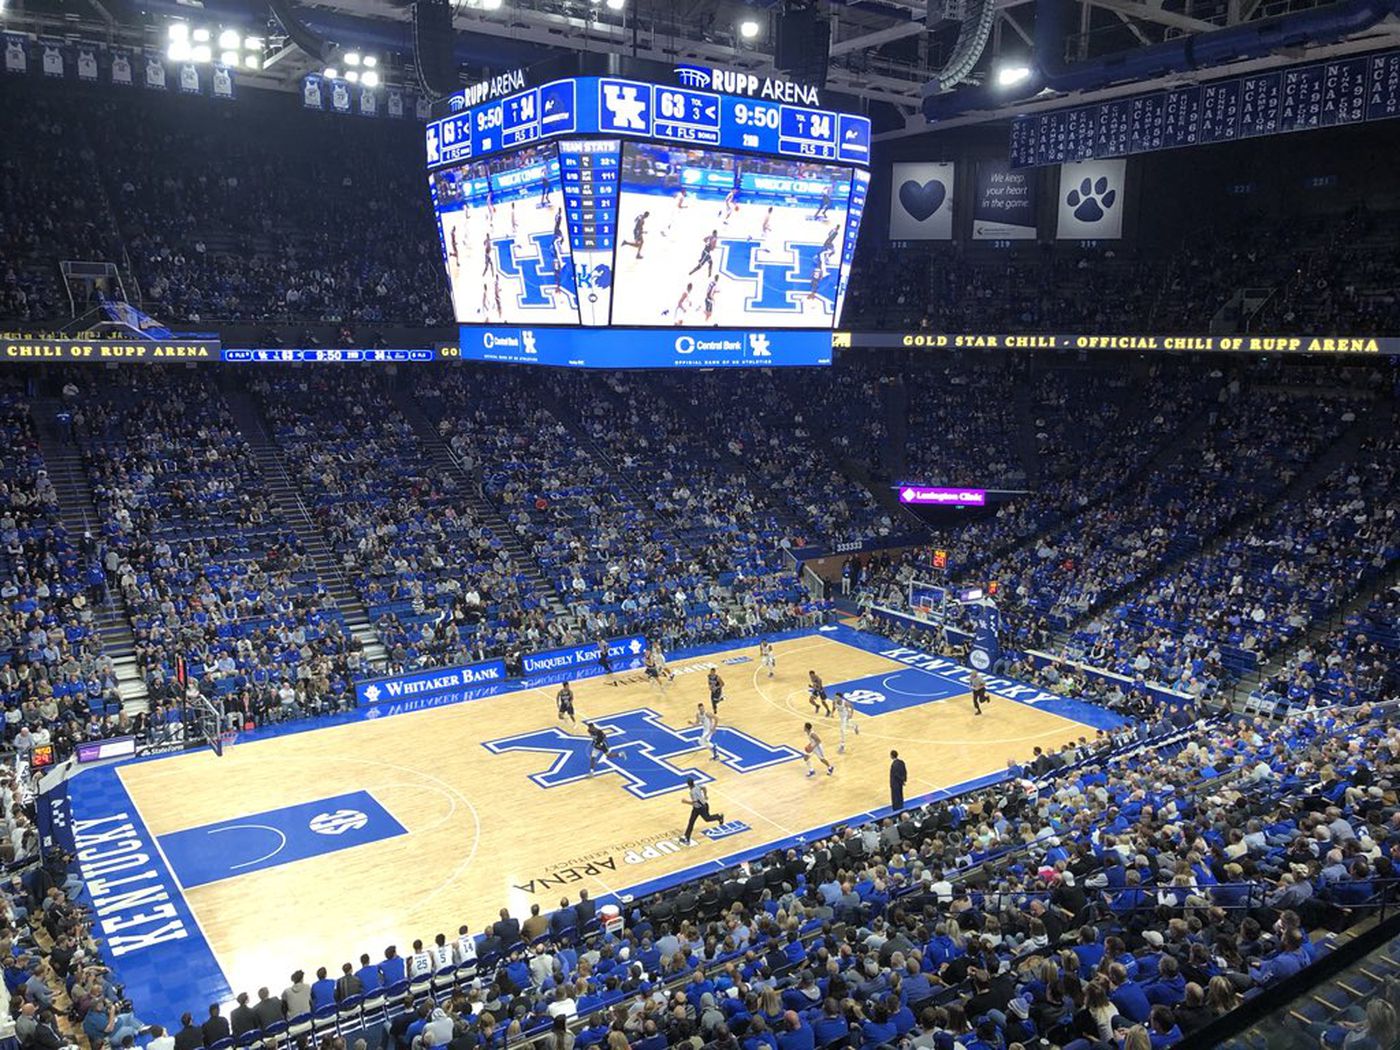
column 16, row 53
column 921, row 201
column 223, row 82
column 121, row 68
column 1132, row 341
column 620, row 650
column 1091, row 200
column 311, row 91
column 1003, row 203
column 155, row 71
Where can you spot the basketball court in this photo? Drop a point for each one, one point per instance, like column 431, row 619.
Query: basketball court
column 300, row 849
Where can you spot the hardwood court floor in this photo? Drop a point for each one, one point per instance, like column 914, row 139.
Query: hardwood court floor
column 481, row 835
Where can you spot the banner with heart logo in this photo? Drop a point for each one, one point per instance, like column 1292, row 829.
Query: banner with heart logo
column 921, row 201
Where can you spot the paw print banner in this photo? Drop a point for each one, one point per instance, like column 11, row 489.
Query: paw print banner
column 1091, row 199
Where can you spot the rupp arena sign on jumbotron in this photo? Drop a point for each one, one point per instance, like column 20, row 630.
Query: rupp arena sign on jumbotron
column 26, row 350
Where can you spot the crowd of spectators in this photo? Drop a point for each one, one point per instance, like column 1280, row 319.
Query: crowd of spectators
column 57, row 685
column 210, row 573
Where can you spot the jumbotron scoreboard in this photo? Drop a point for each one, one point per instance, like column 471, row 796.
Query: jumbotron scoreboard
column 596, row 221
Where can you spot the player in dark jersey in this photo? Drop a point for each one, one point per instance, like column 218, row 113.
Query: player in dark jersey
column 599, row 751
column 653, row 669
column 639, row 233
column 499, row 312
column 544, row 194
column 453, row 251
column 707, row 253
column 490, row 263
column 716, row 689
column 818, row 273
column 825, row 206
column 559, row 225
column 564, row 700
column 829, row 245
column 816, row 694
column 605, row 658
column 710, row 291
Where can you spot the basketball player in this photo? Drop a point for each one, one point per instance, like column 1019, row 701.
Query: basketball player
column 816, row 694
column 497, row 293
column 456, row 263
column 442, row 953
column 767, row 224
column 564, row 700
column 814, row 747
column 465, row 946
column 490, row 264
column 818, row 273
column 605, row 658
column 707, row 254
column 514, row 227
column 558, row 225
column 544, row 194
column 829, row 245
column 653, row 671
column 699, row 803
column 683, row 304
column 825, row 206
column 680, row 207
column 978, row 684
column 708, row 723
column 420, row 963
column 660, row 654
column 731, row 205
column 846, row 713
column 710, row 290
column 639, row 233
column 716, row 689
column 766, row 659
column 599, row 752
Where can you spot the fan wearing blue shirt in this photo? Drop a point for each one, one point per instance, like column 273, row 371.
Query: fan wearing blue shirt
column 795, row 1034
column 322, row 990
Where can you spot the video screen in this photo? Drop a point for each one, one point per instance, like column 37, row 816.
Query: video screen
column 713, row 238
column 505, row 241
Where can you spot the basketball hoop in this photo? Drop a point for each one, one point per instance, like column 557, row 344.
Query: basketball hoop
column 227, row 738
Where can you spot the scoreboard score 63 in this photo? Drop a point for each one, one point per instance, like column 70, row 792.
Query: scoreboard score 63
column 631, row 108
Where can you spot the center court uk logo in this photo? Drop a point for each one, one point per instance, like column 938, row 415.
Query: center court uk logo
column 339, row 822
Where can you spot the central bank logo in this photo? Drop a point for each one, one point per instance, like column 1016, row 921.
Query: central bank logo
column 647, row 756
column 339, row 822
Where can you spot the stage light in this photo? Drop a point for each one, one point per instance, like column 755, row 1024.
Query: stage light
column 228, row 39
column 202, row 53
column 178, row 51
column 352, row 58
column 201, row 36
column 178, row 31
column 229, row 58
column 352, row 75
column 490, row 5
column 253, row 43
column 616, row 5
column 1011, row 75
column 331, row 73
column 371, row 61
column 370, row 79
column 252, row 61
column 748, row 29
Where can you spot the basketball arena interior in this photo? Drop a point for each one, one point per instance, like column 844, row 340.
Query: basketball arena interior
column 719, row 524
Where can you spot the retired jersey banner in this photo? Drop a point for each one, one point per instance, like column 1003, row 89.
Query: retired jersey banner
column 53, row 59
column 87, row 64
column 121, row 68
column 311, row 91
column 1092, row 200
column 222, row 84
column 921, row 201
column 1003, row 203
column 155, row 71
column 16, row 53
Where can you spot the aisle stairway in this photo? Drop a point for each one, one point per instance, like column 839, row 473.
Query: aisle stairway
column 293, row 510
column 78, row 510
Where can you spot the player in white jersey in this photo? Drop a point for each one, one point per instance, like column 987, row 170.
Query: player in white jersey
column 708, row 723
column 675, row 214
column 442, row 953
column 766, row 659
column 660, row 655
column 846, row 714
column 731, row 205
column 653, row 670
column 767, row 224
column 814, row 747
column 682, row 304
column 420, row 963
column 465, row 946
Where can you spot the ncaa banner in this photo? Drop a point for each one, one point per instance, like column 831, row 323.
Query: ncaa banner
column 921, row 201
column 16, row 53
column 620, row 651
column 441, row 685
column 1003, row 203
column 1091, row 200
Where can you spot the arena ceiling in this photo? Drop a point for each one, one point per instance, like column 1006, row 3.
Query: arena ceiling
column 890, row 53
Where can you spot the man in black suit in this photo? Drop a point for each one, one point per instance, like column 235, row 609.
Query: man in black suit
column 899, row 775
column 188, row 1037
column 585, row 909
column 243, row 1018
column 268, row 1010
column 216, row 1027
column 506, row 929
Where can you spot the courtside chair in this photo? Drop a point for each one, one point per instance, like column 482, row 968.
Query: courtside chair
column 249, row 1039
column 273, row 1035
column 372, row 1008
column 351, row 1014
column 221, row 1044
column 298, row 1026
column 420, row 986
column 325, row 1019
column 444, row 980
